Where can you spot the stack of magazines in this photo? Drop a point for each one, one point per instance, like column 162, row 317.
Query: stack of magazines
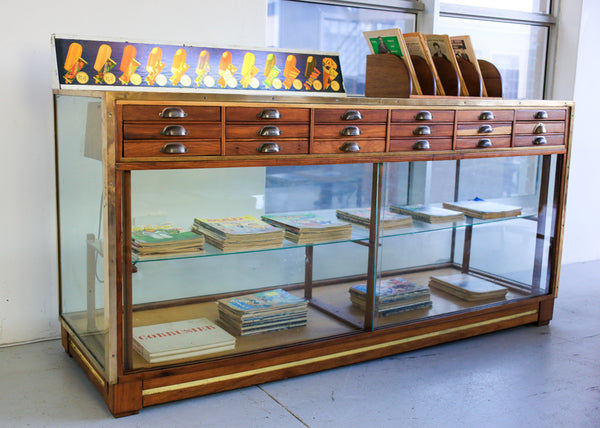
column 429, row 213
column 468, row 287
column 362, row 217
column 309, row 228
column 238, row 233
column 262, row 312
column 164, row 242
column 392, row 295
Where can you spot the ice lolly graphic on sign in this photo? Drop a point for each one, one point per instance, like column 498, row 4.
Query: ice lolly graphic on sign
column 179, row 67
column 271, row 70
column 249, row 70
column 203, row 67
column 74, row 63
column 290, row 72
column 311, row 72
column 104, row 63
column 128, row 66
column 226, row 70
column 329, row 73
column 154, row 65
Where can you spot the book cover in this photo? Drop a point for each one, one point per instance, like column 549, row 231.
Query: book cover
column 362, row 217
column 180, row 338
column 482, row 209
column 231, row 227
column 417, row 46
column 463, row 48
column 390, row 289
column 429, row 213
column 261, row 302
column 440, row 46
column 149, row 237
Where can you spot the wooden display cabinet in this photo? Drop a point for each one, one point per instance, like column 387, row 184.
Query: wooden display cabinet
column 126, row 159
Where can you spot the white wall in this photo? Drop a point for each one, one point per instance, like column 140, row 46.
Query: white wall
column 28, row 273
column 28, row 259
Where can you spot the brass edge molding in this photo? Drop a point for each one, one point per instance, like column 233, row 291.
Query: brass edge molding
column 86, row 363
column 247, row 373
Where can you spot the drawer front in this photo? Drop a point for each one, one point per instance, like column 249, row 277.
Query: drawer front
column 539, row 140
column 153, row 148
column 353, row 131
column 257, row 131
column 482, row 129
column 558, row 114
column 352, row 116
column 265, row 113
column 348, row 147
column 540, row 127
column 420, row 144
column 162, row 130
column 479, row 143
column 258, row 148
column 179, row 113
column 422, row 130
column 422, row 115
column 485, row 115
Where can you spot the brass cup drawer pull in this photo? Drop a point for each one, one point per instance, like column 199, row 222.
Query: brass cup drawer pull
column 421, row 145
column 174, row 149
column 541, row 115
column 424, row 115
column 484, row 143
column 422, row 130
column 351, row 131
column 269, row 113
column 350, row 147
column 485, row 129
column 352, row 115
column 174, row 131
column 172, row 113
column 539, row 129
column 486, row 115
column 539, row 141
column 269, row 131
column 269, row 148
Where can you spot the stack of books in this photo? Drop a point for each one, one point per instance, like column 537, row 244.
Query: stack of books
column 362, row 217
column 180, row 339
column 392, row 295
column 262, row 312
column 164, row 242
column 309, row 228
column 467, row 287
column 482, row 209
column 238, row 233
column 429, row 213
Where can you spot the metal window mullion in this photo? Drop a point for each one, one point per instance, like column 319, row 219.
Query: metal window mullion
column 498, row 15
column 395, row 6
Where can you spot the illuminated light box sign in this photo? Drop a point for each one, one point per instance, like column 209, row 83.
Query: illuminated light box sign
column 95, row 64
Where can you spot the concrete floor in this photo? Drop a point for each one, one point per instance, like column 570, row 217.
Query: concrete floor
column 524, row 377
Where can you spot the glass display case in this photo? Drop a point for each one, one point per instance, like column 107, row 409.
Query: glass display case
column 208, row 243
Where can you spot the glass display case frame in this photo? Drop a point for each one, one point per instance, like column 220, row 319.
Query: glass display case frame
column 123, row 148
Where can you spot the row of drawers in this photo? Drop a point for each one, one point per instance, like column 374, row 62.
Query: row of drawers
column 154, row 130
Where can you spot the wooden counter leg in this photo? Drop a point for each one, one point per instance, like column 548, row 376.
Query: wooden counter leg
column 546, row 309
column 125, row 398
column 64, row 336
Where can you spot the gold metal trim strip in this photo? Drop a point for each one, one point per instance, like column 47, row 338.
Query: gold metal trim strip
column 201, row 382
column 85, row 362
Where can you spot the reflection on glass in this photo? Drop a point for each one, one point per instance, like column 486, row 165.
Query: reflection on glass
column 518, row 51
column 332, row 29
column 542, row 6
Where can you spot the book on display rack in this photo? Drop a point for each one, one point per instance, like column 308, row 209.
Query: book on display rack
column 164, row 242
column 484, row 210
column 262, row 312
column 429, row 213
column 362, row 217
column 309, row 227
column 238, row 233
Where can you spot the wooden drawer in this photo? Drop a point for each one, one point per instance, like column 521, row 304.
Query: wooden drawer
column 539, row 140
column 350, row 131
column 182, row 113
column 471, row 143
column 420, row 144
column 348, row 147
column 485, row 115
column 482, row 129
column 256, row 131
column 346, row 115
column 539, row 128
column 265, row 113
column 153, row 148
column 162, row 130
column 422, row 130
column 558, row 114
column 422, row 115
column 258, row 148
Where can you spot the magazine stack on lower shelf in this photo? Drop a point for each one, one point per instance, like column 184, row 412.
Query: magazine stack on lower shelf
column 468, row 287
column 308, row 228
column 392, row 295
column 262, row 312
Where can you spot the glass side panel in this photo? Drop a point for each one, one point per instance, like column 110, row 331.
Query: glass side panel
column 490, row 247
column 79, row 149
column 318, row 264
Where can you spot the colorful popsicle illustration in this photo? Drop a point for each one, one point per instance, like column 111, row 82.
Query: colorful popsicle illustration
column 329, row 72
column 129, row 65
column 249, row 70
column 104, row 63
column 74, row 63
column 179, row 67
column 290, row 72
column 271, row 70
column 311, row 66
column 203, row 67
column 154, row 65
column 226, row 71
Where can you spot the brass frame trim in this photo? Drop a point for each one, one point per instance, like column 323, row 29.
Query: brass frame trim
column 201, row 382
column 86, row 363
